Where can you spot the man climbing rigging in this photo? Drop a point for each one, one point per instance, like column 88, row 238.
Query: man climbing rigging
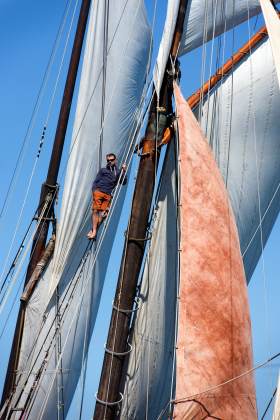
column 102, row 187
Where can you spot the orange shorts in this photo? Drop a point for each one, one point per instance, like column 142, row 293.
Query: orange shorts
column 100, row 200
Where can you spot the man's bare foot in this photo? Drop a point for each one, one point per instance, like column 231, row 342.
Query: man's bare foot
column 91, row 234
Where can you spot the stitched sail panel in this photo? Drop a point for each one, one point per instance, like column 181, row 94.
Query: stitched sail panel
column 129, row 36
column 203, row 21
column 239, row 122
column 214, row 331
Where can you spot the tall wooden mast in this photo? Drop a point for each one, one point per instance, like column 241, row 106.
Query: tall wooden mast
column 134, row 247
column 40, row 239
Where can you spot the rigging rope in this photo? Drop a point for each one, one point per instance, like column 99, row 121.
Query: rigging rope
column 189, row 397
column 38, row 155
column 37, row 99
column 35, row 117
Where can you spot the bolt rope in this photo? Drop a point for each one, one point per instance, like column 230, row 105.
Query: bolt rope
column 178, row 237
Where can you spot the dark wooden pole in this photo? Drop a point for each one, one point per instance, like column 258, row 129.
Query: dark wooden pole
column 134, row 250
column 40, row 239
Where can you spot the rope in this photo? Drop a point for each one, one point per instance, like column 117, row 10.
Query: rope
column 32, row 118
column 34, row 167
column 186, row 399
column 178, row 241
column 82, row 363
column 23, row 258
column 268, row 405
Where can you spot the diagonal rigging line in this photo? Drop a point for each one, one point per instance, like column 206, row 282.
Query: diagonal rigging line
column 42, row 89
column 189, row 397
column 40, row 146
column 36, row 102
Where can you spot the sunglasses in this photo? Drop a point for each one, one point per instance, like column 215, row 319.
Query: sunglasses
column 110, row 160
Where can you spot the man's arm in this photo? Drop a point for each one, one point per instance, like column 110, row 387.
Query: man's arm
column 97, row 178
column 123, row 177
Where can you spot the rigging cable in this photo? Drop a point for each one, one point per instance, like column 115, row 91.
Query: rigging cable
column 190, row 397
column 31, row 130
column 259, row 204
column 38, row 154
column 33, row 112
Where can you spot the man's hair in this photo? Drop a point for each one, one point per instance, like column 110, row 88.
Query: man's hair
column 111, row 154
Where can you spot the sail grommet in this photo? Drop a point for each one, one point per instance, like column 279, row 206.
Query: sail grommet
column 109, row 403
column 114, row 353
column 127, row 311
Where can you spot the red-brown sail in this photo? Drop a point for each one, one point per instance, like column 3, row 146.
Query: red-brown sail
column 214, row 336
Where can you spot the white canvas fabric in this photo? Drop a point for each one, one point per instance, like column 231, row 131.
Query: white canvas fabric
column 166, row 41
column 254, row 123
column 204, row 21
column 129, row 36
column 276, row 409
column 147, row 378
column 273, row 27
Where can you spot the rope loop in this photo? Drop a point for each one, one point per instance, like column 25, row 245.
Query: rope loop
column 114, row 353
column 109, row 403
column 125, row 311
column 137, row 240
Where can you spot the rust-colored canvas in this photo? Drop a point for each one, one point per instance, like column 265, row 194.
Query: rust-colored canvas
column 214, row 331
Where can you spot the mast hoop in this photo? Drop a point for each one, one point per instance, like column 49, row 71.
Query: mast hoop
column 114, row 353
column 125, row 311
column 109, row 403
column 134, row 239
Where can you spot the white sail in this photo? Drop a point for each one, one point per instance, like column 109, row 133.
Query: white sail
column 146, row 384
column 273, row 28
column 204, row 20
column 128, row 46
column 276, row 409
column 242, row 128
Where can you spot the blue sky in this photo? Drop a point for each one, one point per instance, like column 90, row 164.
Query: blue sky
column 28, row 30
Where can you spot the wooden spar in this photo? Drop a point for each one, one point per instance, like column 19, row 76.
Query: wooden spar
column 134, row 245
column 40, row 239
column 200, row 93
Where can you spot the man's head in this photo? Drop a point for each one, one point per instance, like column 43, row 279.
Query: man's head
column 111, row 159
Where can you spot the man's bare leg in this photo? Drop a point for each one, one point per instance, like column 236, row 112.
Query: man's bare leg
column 95, row 220
column 102, row 217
